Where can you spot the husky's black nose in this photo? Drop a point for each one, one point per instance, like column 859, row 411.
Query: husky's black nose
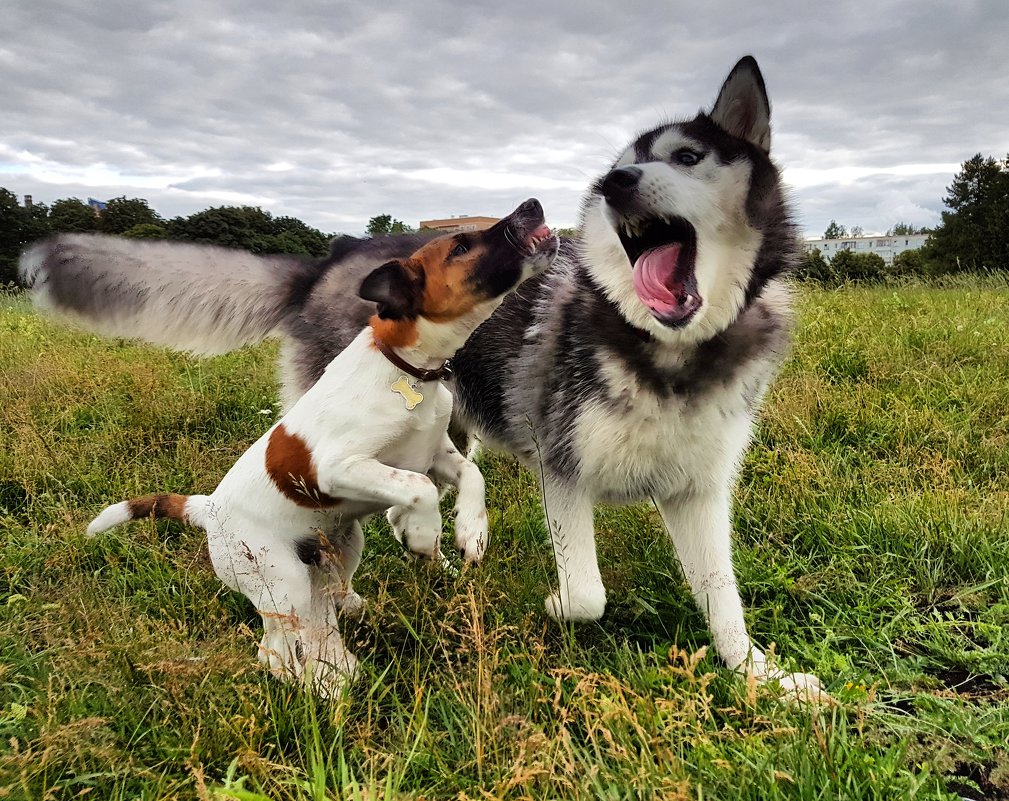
column 620, row 186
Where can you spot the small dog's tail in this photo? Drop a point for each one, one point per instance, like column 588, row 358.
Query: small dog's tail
column 191, row 509
column 200, row 298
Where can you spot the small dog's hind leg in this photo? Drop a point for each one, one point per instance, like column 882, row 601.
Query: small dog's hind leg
column 339, row 560
column 300, row 638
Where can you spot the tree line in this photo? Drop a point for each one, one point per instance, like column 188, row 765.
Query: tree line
column 245, row 227
column 973, row 235
column 835, row 231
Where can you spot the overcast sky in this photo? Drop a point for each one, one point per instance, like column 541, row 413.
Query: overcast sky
column 334, row 112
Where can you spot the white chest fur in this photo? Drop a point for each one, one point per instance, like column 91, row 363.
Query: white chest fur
column 636, row 445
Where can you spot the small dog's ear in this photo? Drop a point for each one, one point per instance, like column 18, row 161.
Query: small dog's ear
column 396, row 291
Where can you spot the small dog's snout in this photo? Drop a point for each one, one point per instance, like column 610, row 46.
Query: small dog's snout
column 619, row 186
column 532, row 207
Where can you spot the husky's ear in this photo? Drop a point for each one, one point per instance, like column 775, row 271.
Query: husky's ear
column 395, row 289
column 742, row 108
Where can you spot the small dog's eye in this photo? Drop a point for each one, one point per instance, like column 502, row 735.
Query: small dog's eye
column 459, row 249
column 687, row 157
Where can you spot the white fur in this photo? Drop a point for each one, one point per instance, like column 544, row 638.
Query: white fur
column 372, row 453
column 111, row 516
column 682, row 456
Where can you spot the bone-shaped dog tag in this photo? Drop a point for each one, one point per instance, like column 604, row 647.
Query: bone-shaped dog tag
column 409, row 393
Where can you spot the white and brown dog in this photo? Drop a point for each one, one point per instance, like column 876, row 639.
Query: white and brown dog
column 284, row 525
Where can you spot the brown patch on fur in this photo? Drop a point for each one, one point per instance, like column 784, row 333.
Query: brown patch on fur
column 289, row 465
column 161, row 505
column 394, row 333
column 448, row 293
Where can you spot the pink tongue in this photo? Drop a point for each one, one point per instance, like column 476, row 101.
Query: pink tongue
column 540, row 233
column 654, row 273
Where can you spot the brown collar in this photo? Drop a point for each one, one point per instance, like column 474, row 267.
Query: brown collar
column 443, row 373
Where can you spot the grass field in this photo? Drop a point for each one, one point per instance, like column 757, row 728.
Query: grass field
column 873, row 550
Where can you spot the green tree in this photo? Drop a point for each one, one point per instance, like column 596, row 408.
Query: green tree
column 387, row 224
column 229, row 226
column 905, row 229
column 250, row 228
column 18, row 227
column 294, row 236
column 72, row 215
column 856, row 230
column 846, row 265
column 146, row 231
column 909, row 264
column 974, row 233
column 122, row 213
column 835, row 231
column 813, row 267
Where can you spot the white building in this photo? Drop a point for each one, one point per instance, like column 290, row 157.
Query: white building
column 885, row 246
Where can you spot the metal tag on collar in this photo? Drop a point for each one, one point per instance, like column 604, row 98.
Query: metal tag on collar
column 402, row 386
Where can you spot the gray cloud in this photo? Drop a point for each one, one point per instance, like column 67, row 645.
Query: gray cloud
column 334, row 112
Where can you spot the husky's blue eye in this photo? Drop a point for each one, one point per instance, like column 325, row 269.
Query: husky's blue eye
column 687, row 157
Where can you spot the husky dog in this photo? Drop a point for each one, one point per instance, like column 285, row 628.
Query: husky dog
column 632, row 370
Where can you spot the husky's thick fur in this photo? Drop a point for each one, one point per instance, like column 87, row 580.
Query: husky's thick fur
column 632, row 370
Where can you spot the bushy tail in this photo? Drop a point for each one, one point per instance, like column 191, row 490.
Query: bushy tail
column 184, row 508
column 199, row 298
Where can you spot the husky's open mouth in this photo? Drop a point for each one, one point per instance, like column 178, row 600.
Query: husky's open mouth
column 663, row 253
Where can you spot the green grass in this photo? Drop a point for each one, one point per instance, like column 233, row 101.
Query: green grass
column 872, row 550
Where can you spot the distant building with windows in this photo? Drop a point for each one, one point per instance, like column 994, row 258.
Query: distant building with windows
column 885, row 246
column 453, row 225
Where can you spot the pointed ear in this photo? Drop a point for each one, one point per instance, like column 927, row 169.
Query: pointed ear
column 742, row 108
column 396, row 291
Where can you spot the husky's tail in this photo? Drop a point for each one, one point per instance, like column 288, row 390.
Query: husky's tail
column 199, row 298
column 190, row 509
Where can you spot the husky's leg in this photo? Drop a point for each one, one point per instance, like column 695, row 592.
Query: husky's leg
column 580, row 593
column 471, row 531
column 699, row 526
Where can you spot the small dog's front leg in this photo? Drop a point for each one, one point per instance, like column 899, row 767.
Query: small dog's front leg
column 471, row 529
column 368, row 480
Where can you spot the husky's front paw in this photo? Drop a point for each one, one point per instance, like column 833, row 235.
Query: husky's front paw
column 795, row 687
column 801, row 687
column 421, row 532
column 576, row 608
column 330, row 674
